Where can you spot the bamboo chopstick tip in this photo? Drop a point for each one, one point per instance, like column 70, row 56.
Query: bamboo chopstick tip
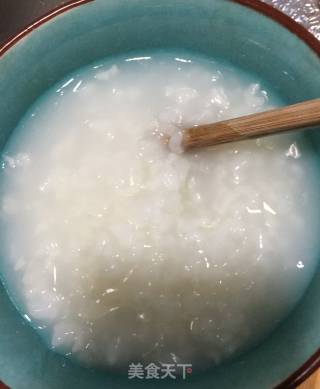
column 175, row 142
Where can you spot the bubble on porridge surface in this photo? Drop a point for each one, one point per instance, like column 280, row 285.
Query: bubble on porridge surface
column 118, row 250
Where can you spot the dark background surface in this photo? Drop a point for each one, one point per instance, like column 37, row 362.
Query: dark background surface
column 17, row 14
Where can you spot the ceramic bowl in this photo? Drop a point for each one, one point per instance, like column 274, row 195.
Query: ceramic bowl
column 247, row 33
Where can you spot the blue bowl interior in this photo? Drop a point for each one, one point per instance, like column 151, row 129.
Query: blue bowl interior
column 219, row 28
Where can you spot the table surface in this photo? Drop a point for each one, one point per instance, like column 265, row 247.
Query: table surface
column 313, row 382
column 16, row 14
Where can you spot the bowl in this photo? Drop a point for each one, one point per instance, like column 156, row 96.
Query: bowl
column 249, row 34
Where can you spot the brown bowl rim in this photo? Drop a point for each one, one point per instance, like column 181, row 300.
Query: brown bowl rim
column 313, row 363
